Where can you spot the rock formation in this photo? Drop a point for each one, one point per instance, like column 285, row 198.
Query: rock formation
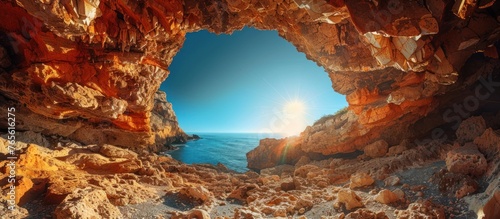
column 87, row 72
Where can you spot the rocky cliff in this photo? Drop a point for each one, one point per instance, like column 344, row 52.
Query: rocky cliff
column 89, row 70
column 164, row 123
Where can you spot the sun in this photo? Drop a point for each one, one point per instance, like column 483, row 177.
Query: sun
column 294, row 109
column 295, row 113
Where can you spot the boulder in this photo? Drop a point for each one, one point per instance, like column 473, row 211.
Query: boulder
column 197, row 193
column 470, row 128
column 349, row 199
column 466, row 160
column 386, row 196
column 87, row 203
column 488, row 143
column 376, row 149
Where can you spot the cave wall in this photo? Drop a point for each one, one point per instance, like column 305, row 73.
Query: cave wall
column 89, row 70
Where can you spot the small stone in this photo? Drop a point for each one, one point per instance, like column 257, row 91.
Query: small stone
column 386, row 197
column 349, row 199
column 360, row 180
column 392, row 181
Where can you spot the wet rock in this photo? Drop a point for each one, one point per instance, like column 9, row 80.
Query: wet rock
column 386, row 197
column 350, row 199
column 87, row 203
column 360, row 180
column 376, row 149
column 470, row 128
column 466, row 160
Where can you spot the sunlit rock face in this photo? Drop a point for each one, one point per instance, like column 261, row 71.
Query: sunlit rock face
column 89, row 70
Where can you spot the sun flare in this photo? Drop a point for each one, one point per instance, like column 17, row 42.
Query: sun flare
column 295, row 108
column 295, row 112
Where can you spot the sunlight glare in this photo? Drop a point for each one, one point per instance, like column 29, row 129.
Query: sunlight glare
column 295, row 111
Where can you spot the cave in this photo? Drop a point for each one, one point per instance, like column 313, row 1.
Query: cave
column 420, row 78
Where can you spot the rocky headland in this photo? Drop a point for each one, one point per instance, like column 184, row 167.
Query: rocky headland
column 421, row 79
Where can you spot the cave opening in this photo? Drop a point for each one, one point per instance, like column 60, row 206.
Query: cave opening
column 233, row 90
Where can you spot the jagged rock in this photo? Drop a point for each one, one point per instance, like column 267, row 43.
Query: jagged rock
column 164, row 122
column 360, row 180
column 488, row 143
column 274, row 151
column 349, row 199
column 386, row 197
column 87, row 203
column 116, row 152
column 466, row 160
column 304, row 170
column 471, row 128
column 28, row 189
column 376, row 149
column 241, row 193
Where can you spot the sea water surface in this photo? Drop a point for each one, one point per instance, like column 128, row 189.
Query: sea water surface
column 227, row 148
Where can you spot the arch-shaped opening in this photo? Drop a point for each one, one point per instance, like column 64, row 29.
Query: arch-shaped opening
column 233, row 90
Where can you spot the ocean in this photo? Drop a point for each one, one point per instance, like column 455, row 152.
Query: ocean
column 227, row 148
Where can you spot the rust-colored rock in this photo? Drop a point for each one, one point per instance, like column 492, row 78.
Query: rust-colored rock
column 466, row 160
column 349, row 199
column 361, row 180
column 386, row 197
column 376, row 149
column 90, row 72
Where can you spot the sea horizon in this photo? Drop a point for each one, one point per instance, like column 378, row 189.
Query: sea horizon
column 229, row 149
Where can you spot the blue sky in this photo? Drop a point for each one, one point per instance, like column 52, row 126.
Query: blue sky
column 250, row 81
